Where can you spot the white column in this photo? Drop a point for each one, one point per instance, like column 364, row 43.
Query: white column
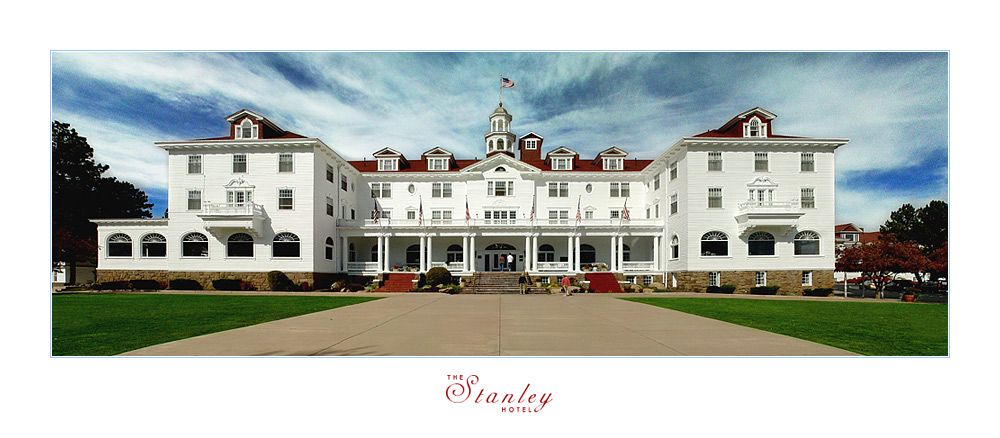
column 465, row 253
column 576, row 255
column 656, row 253
column 423, row 254
column 472, row 253
column 380, row 258
column 385, row 255
column 430, row 251
column 343, row 253
column 569, row 253
column 534, row 253
column 613, row 259
column 621, row 253
column 527, row 254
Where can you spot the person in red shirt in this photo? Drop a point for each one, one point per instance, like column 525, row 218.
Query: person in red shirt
column 565, row 286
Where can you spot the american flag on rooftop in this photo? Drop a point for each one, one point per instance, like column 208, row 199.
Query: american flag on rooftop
column 506, row 83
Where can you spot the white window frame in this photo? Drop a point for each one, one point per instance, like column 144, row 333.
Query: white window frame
column 441, row 216
column 191, row 192
column 493, row 185
column 656, row 182
column 715, row 161
column 561, row 189
column 620, row 190
column 673, row 171
column 715, row 190
column 330, row 211
column 755, row 124
column 388, row 164
column 195, row 161
column 240, row 159
column 761, row 157
column 558, row 217
column 127, row 242
column 673, row 204
column 288, row 159
column 807, row 162
column 807, row 201
column 614, row 163
column 152, row 238
column 715, row 278
column 441, row 190
column 329, row 173
column 437, row 164
column 381, row 190
column 760, row 278
column 531, row 144
column 807, row 278
column 562, row 163
column 291, row 197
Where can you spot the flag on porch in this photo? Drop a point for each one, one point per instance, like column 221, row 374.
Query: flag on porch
column 531, row 217
column 625, row 211
column 375, row 211
column 467, row 215
column 420, row 213
column 578, row 217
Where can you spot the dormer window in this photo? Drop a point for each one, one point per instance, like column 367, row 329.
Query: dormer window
column 754, row 128
column 613, row 163
column 562, row 163
column 246, row 130
column 531, row 144
column 388, row 164
column 437, row 164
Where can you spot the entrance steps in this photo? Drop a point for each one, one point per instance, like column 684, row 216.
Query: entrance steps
column 496, row 283
column 397, row 283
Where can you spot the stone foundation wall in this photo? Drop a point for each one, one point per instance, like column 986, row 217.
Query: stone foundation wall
column 257, row 279
column 790, row 282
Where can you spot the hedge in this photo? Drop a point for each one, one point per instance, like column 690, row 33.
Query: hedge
column 278, row 281
column 764, row 290
column 185, row 284
column 146, row 285
column 113, row 285
column 724, row 289
column 227, row 284
column 818, row 292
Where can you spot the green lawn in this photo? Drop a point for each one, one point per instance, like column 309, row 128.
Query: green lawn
column 108, row 324
column 876, row 329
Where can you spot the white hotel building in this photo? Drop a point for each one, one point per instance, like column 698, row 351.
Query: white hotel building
column 737, row 205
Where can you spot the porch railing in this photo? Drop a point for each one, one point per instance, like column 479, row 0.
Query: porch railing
column 553, row 266
column 638, row 266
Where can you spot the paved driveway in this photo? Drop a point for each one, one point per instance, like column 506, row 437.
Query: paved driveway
column 494, row 325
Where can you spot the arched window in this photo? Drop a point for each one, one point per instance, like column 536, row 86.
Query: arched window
column 587, row 254
column 501, row 145
column 714, row 243
column 374, row 253
column 352, row 255
column 626, row 253
column 491, row 146
column 753, row 128
column 119, row 245
column 761, row 243
column 413, row 255
column 247, row 128
column 807, row 243
column 194, row 245
column 546, row 253
column 329, row 248
column 454, row 254
column 675, row 247
column 153, row 245
column 239, row 245
column 285, row 245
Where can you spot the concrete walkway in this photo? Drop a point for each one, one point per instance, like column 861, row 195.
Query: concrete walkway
column 416, row 324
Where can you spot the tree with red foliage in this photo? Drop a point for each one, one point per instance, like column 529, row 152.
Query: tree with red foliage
column 880, row 261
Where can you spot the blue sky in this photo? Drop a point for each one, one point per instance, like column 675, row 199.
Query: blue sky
column 892, row 106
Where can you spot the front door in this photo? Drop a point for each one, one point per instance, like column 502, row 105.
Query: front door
column 495, row 257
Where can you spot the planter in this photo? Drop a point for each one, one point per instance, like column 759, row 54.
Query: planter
column 909, row 298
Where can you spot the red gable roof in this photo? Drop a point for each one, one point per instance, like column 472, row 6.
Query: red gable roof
column 578, row 166
column 734, row 127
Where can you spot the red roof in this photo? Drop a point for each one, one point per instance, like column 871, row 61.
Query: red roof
column 285, row 135
column 578, row 166
column 870, row 237
column 848, row 227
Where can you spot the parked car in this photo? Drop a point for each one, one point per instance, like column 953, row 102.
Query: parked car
column 939, row 286
column 899, row 285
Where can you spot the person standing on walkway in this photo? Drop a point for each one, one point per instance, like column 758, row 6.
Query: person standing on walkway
column 510, row 262
column 565, row 286
column 523, row 283
column 503, row 262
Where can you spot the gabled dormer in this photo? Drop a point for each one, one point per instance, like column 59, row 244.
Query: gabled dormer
column 562, row 158
column 530, row 145
column 611, row 159
column 439, row 159
column 247, row 125
column 755, row 123
column 390, row 160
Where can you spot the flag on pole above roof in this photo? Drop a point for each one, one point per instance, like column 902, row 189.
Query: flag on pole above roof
column 506, row 83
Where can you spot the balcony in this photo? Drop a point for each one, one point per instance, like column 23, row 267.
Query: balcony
column 775, row 214
column 246, row 217
column 640, row 266
column 520, row 223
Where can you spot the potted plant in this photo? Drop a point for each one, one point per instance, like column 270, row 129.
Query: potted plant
column 910, row 294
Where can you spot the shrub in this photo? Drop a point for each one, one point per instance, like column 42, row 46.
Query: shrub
column 354, row 287
column 912, row 291
column 185, row 284
column 246, row 285
column 113, row 285
column 278, row 281
column 764, row 290
column 146, row 285
column 306, row 287
column 438, row 275
column 337, row 286
column 724, row 289
column 227, row 284
column 818, row 292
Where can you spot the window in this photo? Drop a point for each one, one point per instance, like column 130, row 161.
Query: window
column 807, row 243
column 558, row 190
column 381, row 190
column 531, row 144
column 285, row 163
column 285, row 199
column 239, row 197
column 589, row 214
column 239, row 245
column 388, row 164
column 343, row 182
column 247, row 130
column 500, row 188
column 329, row 248
column 441, row 216
column 329, row 173
column 454, row 254
column 285, row 245
column 352, row 254
column 715, row 161
column 714, row 244
column 329, row 206
column 119, row 245
column 615, row 214
column 760, row 244
column 413, row 254
column 440, row 190
column 613, row 163
column 656, row 182
column 500, row 217
column 562, row 163
column 589, row 188
column 673, row 204
column 626, row 253
column 760, row 161
column 673, row 171
column 675, row 248
column 240, row 163
column 754, row 128
column 808, row 165
column 647, row 280
column 620, row 190
column 437, row 164
column 546, row 253
column 411, row 215
column 558, row 217
column 153, row 245
column 807, row 278
column 587, row 254
column 808, row 198
column 761, row 278
column 714, row 278
column 352, row 214
column 194, row 199
column 194, row 163
column 715, row 197
column 194, row 245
